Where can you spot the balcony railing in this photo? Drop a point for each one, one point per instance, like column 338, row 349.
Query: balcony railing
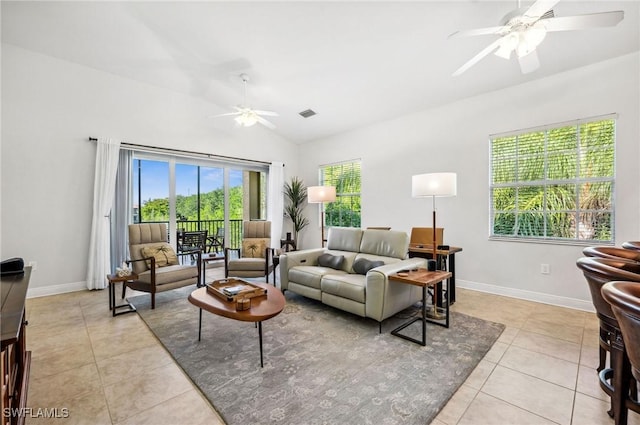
column 233, row 237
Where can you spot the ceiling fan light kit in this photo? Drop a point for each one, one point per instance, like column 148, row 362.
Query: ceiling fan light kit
column 245, row 116
column 524, row 29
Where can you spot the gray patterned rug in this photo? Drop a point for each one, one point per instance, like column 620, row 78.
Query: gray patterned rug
column 321, row 365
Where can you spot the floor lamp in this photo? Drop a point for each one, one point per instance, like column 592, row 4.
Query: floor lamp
column 320, row 195
column 433, row 185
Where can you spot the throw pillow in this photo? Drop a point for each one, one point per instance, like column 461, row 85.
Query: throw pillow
column 362, row 265
column 254, row 247
column 332, row 261
column 162, row 252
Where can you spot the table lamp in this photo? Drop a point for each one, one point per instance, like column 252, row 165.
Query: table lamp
column 320, row 195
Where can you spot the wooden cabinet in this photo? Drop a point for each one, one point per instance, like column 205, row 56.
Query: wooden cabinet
column 16, row 360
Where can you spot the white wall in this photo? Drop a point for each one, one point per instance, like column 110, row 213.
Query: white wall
column 49, row 110
column 454, row 138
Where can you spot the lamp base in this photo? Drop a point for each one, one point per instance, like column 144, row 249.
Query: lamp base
column 437, row 313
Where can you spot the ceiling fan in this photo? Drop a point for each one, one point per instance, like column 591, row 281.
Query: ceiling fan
column 523, row 29
column 245, row 116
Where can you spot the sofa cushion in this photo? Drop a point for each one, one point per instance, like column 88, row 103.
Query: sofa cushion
column 344, row 239
column 389, row 243
column 311, row 275
column 162, row 252
column 333, row 261
column 170, row 274
column 350, row 286
column 246, row 264
column 362, row 265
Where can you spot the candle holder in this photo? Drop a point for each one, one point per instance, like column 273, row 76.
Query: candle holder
column 243, row 304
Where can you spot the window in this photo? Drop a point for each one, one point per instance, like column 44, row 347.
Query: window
column 554, row 183
column 345, row 176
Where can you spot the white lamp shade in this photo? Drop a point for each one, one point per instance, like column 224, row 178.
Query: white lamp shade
column 319, row 194
column 433, row 184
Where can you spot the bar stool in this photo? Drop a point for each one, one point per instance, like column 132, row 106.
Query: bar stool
column 612, row 252
column 597, row 272
column 635, row 245
column 624, row 298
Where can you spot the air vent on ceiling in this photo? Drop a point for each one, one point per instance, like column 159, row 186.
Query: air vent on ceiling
column 548, row 15
column 308, row 113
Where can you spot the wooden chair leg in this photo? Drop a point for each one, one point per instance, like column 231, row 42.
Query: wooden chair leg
column 124, row 289
column 153, row 300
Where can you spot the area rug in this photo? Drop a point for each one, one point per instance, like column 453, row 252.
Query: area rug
column 321, row 365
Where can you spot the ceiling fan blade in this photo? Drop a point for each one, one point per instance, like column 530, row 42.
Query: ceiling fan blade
column 490, row 48
column 479, row 31
column 228, row 114
column 529, row 63
column 266, row 123
column 539, row 8
column 266, row 113
column 581, row 22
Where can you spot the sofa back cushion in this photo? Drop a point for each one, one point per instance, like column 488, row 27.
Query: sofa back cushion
column 385, row 243
column 344, row 239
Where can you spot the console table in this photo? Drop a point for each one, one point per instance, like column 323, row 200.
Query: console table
column 449, row 255
column 16, row 360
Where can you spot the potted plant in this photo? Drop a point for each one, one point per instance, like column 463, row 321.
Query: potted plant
column 295, row 193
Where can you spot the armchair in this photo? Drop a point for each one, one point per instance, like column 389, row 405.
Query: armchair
column 255, row 258
column 155, row 262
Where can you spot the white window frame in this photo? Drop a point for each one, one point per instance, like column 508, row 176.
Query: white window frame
column 322, row 182
column 545, row 182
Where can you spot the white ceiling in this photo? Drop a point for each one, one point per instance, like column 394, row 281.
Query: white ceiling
column 354, row 63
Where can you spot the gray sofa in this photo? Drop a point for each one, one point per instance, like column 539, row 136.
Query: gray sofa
column 370, row 295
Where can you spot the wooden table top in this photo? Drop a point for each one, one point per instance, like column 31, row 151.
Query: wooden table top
column 428, row 248
column 262, row 308
column 422, row 277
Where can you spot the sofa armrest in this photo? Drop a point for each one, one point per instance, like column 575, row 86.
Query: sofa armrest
column 307, row 257
column 381, row 297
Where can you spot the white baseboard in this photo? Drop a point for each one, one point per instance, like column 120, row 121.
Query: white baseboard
column 527, row 295
column 63, row 288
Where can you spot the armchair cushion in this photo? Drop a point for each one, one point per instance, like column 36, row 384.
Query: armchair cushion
column 254, row 247
column 162, row 252
column 362, row 265
column 333, row 261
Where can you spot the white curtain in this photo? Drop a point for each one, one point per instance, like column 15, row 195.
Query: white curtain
column 122, row 210
column 275, row 207
column 99, row 264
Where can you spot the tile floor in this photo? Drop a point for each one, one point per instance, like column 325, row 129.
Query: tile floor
column 107, row 370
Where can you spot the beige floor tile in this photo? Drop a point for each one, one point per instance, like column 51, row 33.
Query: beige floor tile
column 560, row 315
column 55, row 390
column 551, row 401
column 173, row 412
column 590, row 411
column 480, row 374
column 457, row 405
column 508, row 335
column 554, row 347
column 548, row 368
column 87, row 408
column 106, row 347
column 487, row 410
column 565, row 332
column 496, row 352
column 141, row 392
column 54, row 362
column 126, row 365
column 589, row 383
column 590, row 356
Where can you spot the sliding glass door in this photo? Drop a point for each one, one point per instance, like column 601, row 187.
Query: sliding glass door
column 196, row 195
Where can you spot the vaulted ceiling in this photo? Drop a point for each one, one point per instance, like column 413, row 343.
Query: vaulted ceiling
column 354, row 63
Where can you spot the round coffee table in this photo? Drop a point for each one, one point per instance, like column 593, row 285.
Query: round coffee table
column 262, row 308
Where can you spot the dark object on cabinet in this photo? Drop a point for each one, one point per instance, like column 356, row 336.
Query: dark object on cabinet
column 12, row 266
column 16, row 360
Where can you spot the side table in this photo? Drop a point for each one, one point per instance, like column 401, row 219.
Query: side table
column 423, row 278
column 206, row 259
column 113, row 279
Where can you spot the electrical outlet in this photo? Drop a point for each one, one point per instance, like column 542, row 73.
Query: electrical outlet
column 33, row 264
column 544, row 269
